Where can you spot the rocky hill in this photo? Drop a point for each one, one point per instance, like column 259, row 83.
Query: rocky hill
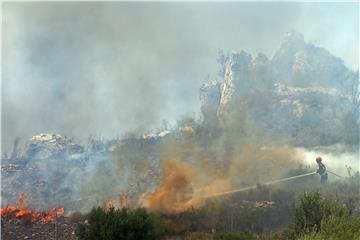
column 303, row 94
column 301, row 97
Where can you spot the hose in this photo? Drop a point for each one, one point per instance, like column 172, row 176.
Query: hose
column 336, row 174
column 255, row 186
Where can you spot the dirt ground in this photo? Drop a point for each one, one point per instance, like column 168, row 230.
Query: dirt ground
column 62, row 229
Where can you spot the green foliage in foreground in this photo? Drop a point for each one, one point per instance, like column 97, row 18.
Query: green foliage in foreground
column 117, row 224
column 336, row 228
column 311, row 210
column 235, row 236
column 222, row 236
column 314, row 217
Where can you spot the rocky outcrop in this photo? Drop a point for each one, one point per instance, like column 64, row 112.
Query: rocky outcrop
column 210, row 96
column 302, row 87
column 47, row 145
column 302, row 64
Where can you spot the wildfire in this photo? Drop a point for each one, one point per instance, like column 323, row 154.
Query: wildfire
column 19, row 212
column 175, row 192
column 23, row 213
column 60, row 212
column 181, row 189
column 36, row 214
column 50, row 216
column 8, row 209
column 143, row 195
column 21, row 203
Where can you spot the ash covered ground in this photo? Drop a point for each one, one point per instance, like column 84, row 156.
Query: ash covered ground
column 63, row 228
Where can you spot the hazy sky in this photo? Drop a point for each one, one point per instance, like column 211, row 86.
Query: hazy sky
column 106, row 68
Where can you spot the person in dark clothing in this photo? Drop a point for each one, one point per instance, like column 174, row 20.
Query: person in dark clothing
column 322, row 170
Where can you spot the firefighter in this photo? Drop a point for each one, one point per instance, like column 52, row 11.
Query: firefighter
column 322, row 170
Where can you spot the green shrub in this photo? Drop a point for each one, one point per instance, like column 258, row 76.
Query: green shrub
column 235, row 236
column 166, row 227
column 336, row 228
column 340, row 227
column 310, row 211
column 278, row 235
column 199, row 236
column 313, row 236
column 117, row 224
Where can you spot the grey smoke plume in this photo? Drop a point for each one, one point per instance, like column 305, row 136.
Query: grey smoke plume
column 105, row 68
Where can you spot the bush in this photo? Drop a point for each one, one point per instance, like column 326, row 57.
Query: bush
column 235, row 236
column 340, row 227
column 336, row 228
column 311, row 211
column 198, row 236
column 166, row 227
column 277, row 235
column 117, row 224
column 313, row 236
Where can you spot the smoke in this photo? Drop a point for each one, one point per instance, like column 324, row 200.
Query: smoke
column 337, row 158
column 179, row 170
column 106, row 68
column 175, row 190
column 190, row 171
column 191, row 174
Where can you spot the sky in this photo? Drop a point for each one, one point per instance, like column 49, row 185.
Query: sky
column 104, row 69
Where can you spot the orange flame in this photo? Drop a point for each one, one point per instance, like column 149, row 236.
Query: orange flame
column 23, row 213
column 8, row 209
column 22, row 201
column 143, row 195
column 49, row 217
column 36, row 215
column 175, row 191
column 20, row 212
column 60, row 212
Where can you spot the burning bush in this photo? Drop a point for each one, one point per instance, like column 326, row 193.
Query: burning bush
column 117, row 224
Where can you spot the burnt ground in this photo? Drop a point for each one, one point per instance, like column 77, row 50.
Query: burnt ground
column 62, row 229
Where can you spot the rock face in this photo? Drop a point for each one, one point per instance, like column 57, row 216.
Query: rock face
column 210, row 96
column 302, row 64
column 303, row 93
column 47, row 145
